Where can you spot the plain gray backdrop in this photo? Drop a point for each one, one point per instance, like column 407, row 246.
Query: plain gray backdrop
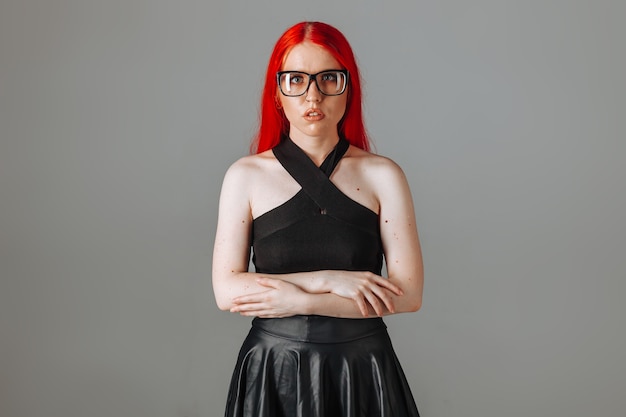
column 119, row 118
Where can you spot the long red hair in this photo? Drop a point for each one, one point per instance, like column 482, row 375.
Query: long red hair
column 273, row 123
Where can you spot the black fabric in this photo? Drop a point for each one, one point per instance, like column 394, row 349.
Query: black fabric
column 317, row 366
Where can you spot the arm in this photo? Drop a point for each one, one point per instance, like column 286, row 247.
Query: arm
column 400, row 240
column 363, row 296
column 356, row 293
column 399, row 235
column 231, row 251
column 404, row 266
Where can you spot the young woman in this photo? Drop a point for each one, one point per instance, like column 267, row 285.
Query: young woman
column 320, row 213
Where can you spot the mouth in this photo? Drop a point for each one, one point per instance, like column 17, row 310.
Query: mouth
column 313, row 114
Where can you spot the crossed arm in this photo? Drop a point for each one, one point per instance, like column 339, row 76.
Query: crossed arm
column 353, row 294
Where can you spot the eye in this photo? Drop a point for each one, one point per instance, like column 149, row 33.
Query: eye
column 295, row 79
column 329, row 76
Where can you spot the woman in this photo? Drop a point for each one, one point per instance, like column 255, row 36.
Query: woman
column 320, row 212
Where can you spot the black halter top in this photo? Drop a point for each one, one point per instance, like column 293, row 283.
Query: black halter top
column 320, row 227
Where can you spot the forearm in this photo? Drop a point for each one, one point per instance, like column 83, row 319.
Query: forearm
column 244, row 283
column 329, row 292
column 332, row 305
column 327, row 304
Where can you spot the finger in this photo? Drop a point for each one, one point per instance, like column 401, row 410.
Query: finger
column 268, row 282
column 384, row 296
column 247, row 307
column 250, row 313
column 250, row 298
column 361, row 304
column 375, row 294
column 384, row 282
column 375, row 303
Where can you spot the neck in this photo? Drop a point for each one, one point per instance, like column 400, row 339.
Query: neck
column 316, row 148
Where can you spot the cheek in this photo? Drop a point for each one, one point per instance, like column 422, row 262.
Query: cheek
column 288, row 106
column 342, row 107
column 290, row 109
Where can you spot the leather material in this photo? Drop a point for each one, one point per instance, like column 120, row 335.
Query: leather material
column 280, row 376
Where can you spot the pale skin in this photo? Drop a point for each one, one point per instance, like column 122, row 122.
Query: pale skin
column 258, row 183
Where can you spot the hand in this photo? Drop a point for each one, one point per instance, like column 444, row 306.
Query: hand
column 364, row 287
column 282, row 299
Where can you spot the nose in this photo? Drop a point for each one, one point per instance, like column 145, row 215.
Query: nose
column 313, row 93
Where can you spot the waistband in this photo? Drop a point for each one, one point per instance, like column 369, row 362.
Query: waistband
column 320, row 329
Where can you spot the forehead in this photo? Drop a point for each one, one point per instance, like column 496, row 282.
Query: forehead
column 309, row 57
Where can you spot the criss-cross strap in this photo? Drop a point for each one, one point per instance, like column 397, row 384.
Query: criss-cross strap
column 318, row 196
column 314, row 180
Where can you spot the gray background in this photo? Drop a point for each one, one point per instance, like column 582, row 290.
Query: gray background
column 119, row 118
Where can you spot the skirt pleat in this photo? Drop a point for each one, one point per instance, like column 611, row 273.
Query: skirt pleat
column 286, row 374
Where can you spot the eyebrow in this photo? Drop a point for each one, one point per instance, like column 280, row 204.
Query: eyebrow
column 312, row 73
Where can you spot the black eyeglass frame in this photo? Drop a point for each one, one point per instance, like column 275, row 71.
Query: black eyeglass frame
column 311, row 78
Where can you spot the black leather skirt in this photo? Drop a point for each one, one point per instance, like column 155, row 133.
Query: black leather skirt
column 315, row 366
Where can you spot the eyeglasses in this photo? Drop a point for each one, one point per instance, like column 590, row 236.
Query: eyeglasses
column 296, row 83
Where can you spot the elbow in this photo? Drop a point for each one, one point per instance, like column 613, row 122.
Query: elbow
column 223, row 304
column 223, row 307
column 413, row 304
column 221, row 295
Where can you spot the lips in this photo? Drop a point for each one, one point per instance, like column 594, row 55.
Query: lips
column 313, row 114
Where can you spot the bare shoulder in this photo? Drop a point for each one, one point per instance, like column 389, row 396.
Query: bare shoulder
column 369, row 179
column 248, row 164
column 259, row 182
column 376, row 168
column 247, row 168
